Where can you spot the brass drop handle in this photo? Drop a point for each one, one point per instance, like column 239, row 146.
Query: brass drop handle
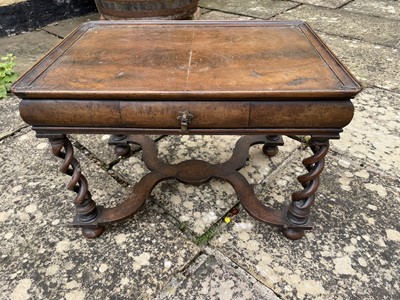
column 186, row 118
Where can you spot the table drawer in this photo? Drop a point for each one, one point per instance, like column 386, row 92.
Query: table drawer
column 300, row 114
column 135, row 114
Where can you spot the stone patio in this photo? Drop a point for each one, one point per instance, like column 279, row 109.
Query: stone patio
column 179, row 246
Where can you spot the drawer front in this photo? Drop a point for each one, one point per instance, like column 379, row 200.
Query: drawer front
column 135, row 114
column 205, row 114
column 300, row 114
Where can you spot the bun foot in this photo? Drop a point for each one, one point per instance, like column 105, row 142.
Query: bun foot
column 92, row 233
column 270, row 151
column 122, row 150
column 293, row 234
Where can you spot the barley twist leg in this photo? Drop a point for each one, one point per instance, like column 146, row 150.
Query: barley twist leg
column 86, row 208
column 302, row 201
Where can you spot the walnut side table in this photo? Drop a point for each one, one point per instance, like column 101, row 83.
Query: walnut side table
column 130, row 79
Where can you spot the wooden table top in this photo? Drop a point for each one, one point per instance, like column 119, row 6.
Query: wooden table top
column 189, row 60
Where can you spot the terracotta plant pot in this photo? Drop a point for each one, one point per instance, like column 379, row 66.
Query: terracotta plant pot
column 146, row 9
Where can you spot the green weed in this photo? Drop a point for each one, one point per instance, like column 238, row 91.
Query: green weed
column 206, row 237
column 7, row 74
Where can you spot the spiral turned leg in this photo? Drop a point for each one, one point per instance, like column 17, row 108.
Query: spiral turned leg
column 299, row 210
column 86, row 208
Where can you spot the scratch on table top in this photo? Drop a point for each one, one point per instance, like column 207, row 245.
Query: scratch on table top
column 190, row 62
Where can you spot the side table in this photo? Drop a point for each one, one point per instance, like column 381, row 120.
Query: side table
column 134, row 78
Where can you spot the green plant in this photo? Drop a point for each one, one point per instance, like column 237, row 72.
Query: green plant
column 206, row 237
column 7, row 74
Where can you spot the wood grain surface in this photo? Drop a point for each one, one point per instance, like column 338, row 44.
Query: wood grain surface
column 191, row 61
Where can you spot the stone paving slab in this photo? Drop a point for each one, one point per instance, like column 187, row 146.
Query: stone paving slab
column 63, row 28
column 198, row 208
column 324, row 3
column 97, row 144
column 385, row 9
column 373, row 65
column 218, row 15
column 41, row 258
column 10, row 121
column 27, row 47
column 347, row 24
column 215, row 277
column 352, row 253
column 373, row 136
column 263, row 9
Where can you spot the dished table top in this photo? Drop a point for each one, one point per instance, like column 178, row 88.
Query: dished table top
column 182, row 60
